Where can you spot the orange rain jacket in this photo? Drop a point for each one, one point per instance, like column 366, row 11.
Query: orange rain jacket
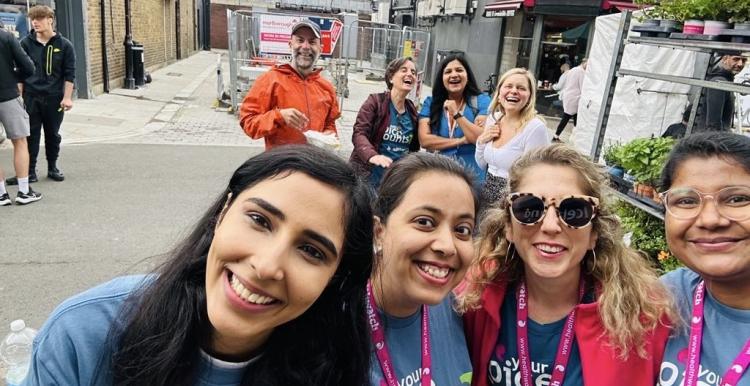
column 282, row 87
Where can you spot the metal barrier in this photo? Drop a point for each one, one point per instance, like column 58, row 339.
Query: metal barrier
column 363, row 46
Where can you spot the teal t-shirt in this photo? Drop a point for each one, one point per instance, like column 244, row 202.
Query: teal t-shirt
column 464, row 153
column 504, row 366
column 396, row 141
column 450, row 356
column 725, row 331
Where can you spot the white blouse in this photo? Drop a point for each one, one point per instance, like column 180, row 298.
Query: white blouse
column 497, row 161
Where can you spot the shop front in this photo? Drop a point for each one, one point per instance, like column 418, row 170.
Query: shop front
column 541, row 35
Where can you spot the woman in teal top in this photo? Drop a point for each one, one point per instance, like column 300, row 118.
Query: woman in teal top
column 451, row 119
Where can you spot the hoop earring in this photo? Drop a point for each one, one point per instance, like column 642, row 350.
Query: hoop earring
column 593, row 261
column 508, row 255
column 377, row 250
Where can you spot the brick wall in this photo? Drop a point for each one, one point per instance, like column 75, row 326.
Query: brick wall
column 219, row 24
column 153, row 25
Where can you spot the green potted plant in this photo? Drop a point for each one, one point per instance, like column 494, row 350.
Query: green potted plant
column 715, row 14
column 685, row 12
column 739, row 14
column 613, row 158
column 653, row 14
column 647, row 236
column 644, row 159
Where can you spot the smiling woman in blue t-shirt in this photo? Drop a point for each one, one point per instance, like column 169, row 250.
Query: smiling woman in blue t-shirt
column 707, row 223
column 267, row 289
column 386, row 123
column 424, row 222
column 451, row 119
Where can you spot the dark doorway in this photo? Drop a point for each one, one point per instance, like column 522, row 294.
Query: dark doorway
column 68, row 16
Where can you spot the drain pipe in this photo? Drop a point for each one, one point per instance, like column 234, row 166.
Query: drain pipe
column 177, row 29
column 105, row 60
column 129, row 79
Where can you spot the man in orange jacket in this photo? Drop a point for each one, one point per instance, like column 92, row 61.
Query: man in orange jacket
column 292, row 98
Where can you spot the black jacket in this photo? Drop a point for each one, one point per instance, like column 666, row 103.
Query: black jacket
column 55, row 64
column 715, row 107
column 15, row 66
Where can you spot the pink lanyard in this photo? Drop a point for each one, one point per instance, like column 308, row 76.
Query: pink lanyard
column 381, row 349
column 563, row 348
column 740, row 363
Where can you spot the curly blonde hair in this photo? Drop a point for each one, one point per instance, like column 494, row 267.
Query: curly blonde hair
column 529, row 111
column 632, row 301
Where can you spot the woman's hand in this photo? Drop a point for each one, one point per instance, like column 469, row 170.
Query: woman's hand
column 380, row 160
column 450, row 106
column 490, row 134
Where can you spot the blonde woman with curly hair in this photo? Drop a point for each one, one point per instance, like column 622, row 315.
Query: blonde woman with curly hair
column 554, row 295
column 512, row 128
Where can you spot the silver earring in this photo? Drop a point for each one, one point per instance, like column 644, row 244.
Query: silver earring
column 508, row 255
column 593, row 261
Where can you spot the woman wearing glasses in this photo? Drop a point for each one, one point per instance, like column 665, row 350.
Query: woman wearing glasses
column 554, row 296
column 708, row 229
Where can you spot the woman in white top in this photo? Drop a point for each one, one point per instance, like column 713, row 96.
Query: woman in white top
column 511, row 129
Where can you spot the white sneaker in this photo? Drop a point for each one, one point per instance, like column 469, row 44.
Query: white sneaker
column 28, row 198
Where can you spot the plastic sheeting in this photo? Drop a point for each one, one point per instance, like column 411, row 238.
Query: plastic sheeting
column 633, row 114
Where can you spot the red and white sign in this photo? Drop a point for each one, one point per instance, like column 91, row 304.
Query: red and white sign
column 276, row 30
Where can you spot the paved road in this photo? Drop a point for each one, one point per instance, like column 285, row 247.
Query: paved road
column 119, row 210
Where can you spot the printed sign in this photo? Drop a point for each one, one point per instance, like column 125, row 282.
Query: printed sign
column 499, row 13
column 275, row 32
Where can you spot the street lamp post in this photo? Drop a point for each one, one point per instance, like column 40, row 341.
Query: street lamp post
column 129, row 79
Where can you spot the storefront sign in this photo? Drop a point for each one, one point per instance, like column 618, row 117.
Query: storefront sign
column 275, row 32
column 499, row 13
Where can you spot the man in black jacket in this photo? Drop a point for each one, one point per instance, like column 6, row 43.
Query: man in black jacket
column 716, row 107
column 15, row 65
column 48, row 93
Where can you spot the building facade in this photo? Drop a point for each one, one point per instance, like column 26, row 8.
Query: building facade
column 317, row 7
column 168, row 30
column 497, row 35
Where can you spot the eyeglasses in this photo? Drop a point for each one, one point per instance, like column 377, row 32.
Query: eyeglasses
column 732, row 202
column 574, row 211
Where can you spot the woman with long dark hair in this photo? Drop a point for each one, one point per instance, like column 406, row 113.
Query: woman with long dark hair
column 707, row 196
column 451, row 119
column 268, row 289
column 386, row 126
column 425, row 213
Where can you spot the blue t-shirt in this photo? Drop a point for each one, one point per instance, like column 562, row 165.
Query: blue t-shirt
column 72, row 347
column 725, row 331
column 396, row 141
column 504, row 366
column 464, row 153
column 450, row 357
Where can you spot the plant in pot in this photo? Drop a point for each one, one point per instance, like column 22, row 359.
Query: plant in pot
column 739, row 14
column 685, row 12
column 654, row 21
column 715, row 14
column 647, row 235
column 644, row 158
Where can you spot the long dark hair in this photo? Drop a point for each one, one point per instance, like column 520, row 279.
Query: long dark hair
column 440, row 94
column 165, row 324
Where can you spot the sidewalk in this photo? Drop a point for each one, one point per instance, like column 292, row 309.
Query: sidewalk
column 125, row 113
